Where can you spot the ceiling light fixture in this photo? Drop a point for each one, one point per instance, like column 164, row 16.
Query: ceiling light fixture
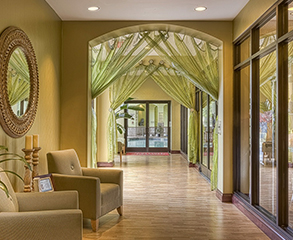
column 93, row 8
column 200, row 9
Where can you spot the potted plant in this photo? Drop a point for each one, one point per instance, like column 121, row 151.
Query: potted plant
column 6, row 156
column 121, row 113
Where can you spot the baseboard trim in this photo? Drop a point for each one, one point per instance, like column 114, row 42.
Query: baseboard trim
column 224, row 197
column 105, row 164
column 268, row 227
column 175, row 152
column 195, row 165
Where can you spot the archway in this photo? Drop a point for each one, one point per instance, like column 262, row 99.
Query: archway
column 200, row 60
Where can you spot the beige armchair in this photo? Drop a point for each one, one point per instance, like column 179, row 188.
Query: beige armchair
column 45, row 216
column 100, row 190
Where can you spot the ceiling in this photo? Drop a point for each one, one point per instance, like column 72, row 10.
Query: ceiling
column 140, row 10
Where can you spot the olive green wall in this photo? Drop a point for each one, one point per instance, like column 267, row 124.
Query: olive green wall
column 43, row 28
column 249, row 14
column 75, row 97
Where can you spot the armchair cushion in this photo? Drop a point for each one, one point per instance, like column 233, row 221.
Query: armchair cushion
column 64, row 162
column 45, row 225
column 109, row 192
column 7, row 204
column 38, row 201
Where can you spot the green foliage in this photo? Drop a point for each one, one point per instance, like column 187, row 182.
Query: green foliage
column 120, row 113
column 265, row 106
column 6, row 156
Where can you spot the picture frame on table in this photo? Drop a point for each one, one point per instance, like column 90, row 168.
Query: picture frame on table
column 43, row 183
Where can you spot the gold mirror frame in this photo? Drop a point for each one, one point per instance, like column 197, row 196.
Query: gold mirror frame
column 10, row 39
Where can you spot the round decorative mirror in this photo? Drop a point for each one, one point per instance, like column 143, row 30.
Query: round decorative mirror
column 19, row 82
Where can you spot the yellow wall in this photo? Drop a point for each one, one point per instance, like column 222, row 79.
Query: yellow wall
column 151, row 91
column 43, row 28
column 249, row 14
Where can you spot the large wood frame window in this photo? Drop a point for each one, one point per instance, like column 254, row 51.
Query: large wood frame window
column 263, row 126
column 209, row 112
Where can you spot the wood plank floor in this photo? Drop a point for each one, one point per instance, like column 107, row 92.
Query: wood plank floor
column 165, row 199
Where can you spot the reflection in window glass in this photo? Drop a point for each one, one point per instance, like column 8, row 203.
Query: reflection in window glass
column 267, row 141
column 245, row 131
column 267, row 33
column 290, row 17
column 245, row 50
column 205, row 128
column 158, row 125
column 212, row 122
column 290, row 133
column 136, row 129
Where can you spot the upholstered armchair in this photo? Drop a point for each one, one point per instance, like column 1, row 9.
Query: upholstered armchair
column 35, row 215
column 100, row 190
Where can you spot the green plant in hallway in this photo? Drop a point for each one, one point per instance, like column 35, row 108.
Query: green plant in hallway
column 6, row 156
column 121, row 113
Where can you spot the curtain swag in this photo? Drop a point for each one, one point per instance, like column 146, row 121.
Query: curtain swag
column 191, row 63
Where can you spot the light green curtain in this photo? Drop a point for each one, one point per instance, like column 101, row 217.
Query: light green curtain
column 119, row 92
column 111, row 61
column 183, row 91
column 267, row 75
column 196, row 60
column 214, row 173
column 18, row 81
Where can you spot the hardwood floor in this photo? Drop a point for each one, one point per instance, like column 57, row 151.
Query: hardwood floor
column 165, row 199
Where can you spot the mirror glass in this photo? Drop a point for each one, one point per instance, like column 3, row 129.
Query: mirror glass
column 18, row 82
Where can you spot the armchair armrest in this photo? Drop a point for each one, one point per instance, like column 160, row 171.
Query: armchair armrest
column 105, row 175
column 88, row 189
column 45, row 225
column 38, row 201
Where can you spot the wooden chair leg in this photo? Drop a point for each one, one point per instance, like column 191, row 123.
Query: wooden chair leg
column 120, row 158
column 120, row 210
column 95, row 225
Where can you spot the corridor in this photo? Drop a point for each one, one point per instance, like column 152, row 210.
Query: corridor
column 165, row 199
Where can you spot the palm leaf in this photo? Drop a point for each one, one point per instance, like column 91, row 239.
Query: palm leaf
column 120, row 128
column 4, row 188
column 14, row 173
column 123, row 115
column 3, row 148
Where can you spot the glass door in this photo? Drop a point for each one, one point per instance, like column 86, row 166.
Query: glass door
column 149, row 130
column 158, row 140
column 136, row 129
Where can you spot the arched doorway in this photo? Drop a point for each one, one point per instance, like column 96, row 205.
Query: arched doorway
column 201, row 37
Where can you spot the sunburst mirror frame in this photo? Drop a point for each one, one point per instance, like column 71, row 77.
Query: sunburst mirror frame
column 10, row 39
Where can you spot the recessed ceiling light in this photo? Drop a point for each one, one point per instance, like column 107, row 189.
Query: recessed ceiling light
column 290, row 9
column 93, row 8
column 200, row 9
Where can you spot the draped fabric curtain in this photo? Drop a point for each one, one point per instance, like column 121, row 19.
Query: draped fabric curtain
column 267, row 75
column 183, row 91
column 119, row 92
column 112, row 60
column 196, row 60
column 18, row 81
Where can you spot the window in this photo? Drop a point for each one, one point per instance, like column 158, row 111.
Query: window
column 263, row 118
column 208, row 122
